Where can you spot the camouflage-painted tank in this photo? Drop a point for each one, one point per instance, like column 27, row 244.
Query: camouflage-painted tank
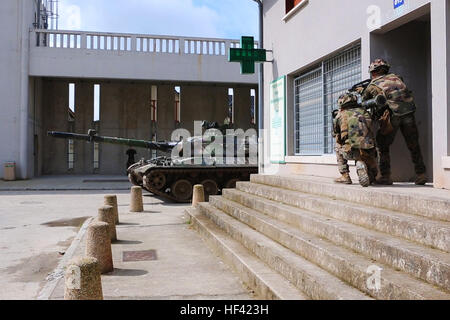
column 174, row 177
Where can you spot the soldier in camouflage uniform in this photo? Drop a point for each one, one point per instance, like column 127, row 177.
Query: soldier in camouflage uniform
column 352, row 128
column 402, row 109
column 343, row 167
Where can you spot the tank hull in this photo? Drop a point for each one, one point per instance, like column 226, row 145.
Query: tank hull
column 175, row 183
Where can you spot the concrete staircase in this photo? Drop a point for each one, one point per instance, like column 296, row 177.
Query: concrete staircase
column 305, row 238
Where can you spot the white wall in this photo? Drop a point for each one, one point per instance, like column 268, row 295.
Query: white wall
column 16, row 17
column 322, row 27
column 136, row 65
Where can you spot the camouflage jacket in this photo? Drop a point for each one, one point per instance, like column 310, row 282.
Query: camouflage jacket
column 399, row 98
column 353, row 128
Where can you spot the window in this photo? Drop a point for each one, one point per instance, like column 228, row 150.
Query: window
column 231, row 105
column 70, row 142
column 70, row 154
column 316, row 93
column 154, row 104
column 96, row 156
column 253, row 106
column 97, row 106
column 96, row 102
column 291, row 4
column 177, row 104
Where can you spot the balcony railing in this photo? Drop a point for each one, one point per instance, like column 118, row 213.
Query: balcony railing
column 153, row 44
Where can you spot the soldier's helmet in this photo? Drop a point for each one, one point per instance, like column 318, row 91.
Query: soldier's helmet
column 347, row 99
column 378, row 64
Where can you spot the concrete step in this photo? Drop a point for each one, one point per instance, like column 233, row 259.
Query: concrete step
column 420, row 261
column 306, row 276
column 266, row 283
column 437, row 208
column 343, row 263
column 411, row 227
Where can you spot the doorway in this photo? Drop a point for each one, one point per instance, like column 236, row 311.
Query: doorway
column 408, row 49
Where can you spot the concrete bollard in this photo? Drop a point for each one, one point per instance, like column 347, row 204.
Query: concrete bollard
column 83, row 280
column 106, row 214
column 111, row 200
column 198, row 195
column 98, row 245
column 136, row 200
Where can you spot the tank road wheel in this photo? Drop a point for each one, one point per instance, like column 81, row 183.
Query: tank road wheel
column 132, row 179
column 182, row 190
column 231, row 184
column 155, row 180
column 210, row 187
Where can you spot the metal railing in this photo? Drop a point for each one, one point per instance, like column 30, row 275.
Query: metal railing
column 84, row 40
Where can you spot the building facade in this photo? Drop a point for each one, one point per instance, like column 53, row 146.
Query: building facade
column 321, row 48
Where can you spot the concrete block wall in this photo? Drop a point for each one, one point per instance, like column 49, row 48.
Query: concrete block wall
column 165, row 112
column 203, row 103
column 16, row 17
column 125, row 112
column 84, row 118
column 55, row 118
column 242, row 112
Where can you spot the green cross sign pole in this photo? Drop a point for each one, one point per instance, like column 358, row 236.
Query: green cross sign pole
column 247, row 55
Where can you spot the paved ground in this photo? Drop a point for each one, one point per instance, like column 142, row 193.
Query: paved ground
column 37, row 227
column 67, row 183
column 184, row 267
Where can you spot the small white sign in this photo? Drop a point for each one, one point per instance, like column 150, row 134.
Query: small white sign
column 278, row 120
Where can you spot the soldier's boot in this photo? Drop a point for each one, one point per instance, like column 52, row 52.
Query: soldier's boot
column 344, row 179
column 363, row 174
column 421, row 179
column 373, row 176
column 385, row 180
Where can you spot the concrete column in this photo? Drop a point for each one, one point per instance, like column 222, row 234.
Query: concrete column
column 112, row 120
column 242, row 112
column 203, row 103
column 38, row 133
column 84, row 117
column 125, row 113
column 440, row 28
column 25, row 161
column 56, row 104
column 166, row 111
column 137, row 114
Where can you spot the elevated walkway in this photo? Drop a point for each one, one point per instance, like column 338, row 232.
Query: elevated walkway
column 96, row 55
column 308, row 238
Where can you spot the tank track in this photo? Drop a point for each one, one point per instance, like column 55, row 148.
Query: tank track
column 196, row 175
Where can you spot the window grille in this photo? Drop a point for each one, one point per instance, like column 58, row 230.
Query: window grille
column 316, row 95
column 71, row 154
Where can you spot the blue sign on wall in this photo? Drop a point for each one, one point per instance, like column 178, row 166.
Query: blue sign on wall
column 398, row 3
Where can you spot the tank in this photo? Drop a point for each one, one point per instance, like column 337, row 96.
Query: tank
column 173, row 177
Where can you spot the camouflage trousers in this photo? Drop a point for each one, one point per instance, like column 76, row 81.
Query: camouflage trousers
column 369, row 157
column 408, row 127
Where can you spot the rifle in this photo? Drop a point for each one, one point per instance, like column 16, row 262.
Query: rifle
column 363, row 84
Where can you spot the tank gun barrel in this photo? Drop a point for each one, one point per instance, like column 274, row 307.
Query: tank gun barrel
column 93, row 137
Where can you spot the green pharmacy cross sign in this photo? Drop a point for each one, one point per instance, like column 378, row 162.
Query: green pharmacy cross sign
column 247, row 55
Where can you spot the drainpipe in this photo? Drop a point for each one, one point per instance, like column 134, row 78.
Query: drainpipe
column 261, row 91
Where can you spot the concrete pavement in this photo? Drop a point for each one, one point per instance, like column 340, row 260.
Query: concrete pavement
column 184, row 268
column 37, row 227
column 68, row 183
